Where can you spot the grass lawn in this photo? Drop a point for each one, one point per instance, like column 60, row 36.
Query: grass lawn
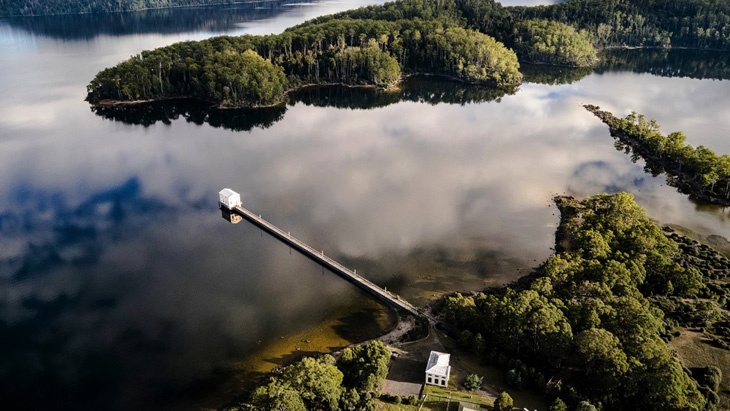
column 437, row 399
column 440, row 396
column 387, row 406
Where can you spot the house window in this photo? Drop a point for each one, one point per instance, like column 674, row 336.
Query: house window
column 429, row 379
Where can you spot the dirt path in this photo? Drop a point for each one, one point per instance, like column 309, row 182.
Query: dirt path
column 401, row 328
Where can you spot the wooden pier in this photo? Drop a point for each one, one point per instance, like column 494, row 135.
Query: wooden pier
column 318, row 256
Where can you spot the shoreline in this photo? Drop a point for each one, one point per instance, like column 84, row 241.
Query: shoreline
column 396, row 86
column 107, row 103
column 178, row 7
column 110, row 103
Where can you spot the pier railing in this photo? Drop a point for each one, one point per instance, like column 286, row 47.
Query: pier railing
column 318, row 256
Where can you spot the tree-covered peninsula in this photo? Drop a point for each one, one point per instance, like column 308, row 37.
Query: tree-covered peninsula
column 259, row 70
column 699, row 24
column 588, row 329
column 469, row 40
column 590, row 325
column 696, row 171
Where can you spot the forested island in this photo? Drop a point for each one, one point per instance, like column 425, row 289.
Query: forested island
column 476, row 41
column 260, row 70
column 696, row 171
column 423, row 89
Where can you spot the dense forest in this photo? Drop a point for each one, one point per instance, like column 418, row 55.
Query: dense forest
column 470, row 40
column 258, row 70
column 591, row 324
column 550, row 42
column 534, row 39
column 351, row 383
column 697, row 171
column 52, row 7
column 703, row 24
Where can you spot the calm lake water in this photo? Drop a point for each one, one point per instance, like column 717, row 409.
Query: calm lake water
column 121, row 287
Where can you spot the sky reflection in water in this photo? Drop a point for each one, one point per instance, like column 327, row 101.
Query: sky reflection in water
column 119, row 277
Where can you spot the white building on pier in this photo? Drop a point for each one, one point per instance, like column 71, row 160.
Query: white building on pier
column 229, row 198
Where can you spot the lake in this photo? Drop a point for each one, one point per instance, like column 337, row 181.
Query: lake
column 121, row 287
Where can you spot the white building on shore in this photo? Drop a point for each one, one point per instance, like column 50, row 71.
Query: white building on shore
column 438, row 369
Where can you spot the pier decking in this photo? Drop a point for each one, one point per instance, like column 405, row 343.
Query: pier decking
column 318, row 256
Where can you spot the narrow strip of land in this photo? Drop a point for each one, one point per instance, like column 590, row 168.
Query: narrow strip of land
column 696, row 171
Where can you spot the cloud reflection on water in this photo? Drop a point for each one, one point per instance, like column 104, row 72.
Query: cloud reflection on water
column 129, row 266
column 153, row 290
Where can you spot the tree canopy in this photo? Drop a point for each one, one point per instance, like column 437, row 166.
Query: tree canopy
column 588, row 315
column 503, row 402
column 463, row 39
column 343, row 51
column 323, row 384
column 636, row 23
column 543, row 41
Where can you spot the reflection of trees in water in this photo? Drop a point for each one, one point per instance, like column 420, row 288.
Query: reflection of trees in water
column 696, row 64
column 421, row 89
column 165, row 21
column 424, row 90
column 434, row 91
column 344, row 97
column 241, row 120
column 553, row 75
column 147, row 114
